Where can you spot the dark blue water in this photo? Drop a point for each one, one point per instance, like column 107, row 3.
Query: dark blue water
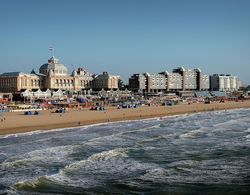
column 206, row 153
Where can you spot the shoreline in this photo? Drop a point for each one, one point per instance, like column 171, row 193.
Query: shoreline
column 17, row 122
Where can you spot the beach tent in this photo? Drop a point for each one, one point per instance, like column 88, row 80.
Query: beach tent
column 47, row 93
column 58, row 93
column 27, row 94
column 38, row 94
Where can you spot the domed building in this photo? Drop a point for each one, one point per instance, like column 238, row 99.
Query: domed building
column 54, row 76
column 53, row 67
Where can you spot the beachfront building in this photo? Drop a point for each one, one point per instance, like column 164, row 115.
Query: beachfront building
column 105, row 81
column 155, row 83
column 83, row 79
column 223, row 82
column 182, row 79
column 16, row 81
column 173, row 81
column 189, row 78
column 137, row 83
column 202, row 80
column 179, row 80
column 147, row 83
column 193, row 79
column 239, row 84
column 54, row 76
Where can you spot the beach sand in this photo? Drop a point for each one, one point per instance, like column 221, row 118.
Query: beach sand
column 17, row 122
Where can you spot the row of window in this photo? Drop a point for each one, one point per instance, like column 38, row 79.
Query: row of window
column 35, row 83
column 64, row 81
column 7, row 82
column 85, row 83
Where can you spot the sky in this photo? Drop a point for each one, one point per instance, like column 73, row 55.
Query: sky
column 124, row 37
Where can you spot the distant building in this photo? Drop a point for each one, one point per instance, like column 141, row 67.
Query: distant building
column 202, row 81
column 174, row 81
column 105, row 81
column 182, row 79
column 17, row 81
column 54, row 76
column 239, row 84
column 82, row 79
column 155, row 83
column 189, row 78
column 137, row 82
column 147, row 83
column 223, row 83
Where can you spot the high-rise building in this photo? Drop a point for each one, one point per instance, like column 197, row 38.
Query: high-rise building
column 223, row 82
column 137, row 82
column 147, row 83
column 189, row 81
column 193, row 79
column 173, row 81
column 155, row 83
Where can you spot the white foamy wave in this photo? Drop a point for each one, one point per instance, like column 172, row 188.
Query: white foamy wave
column 21, row 134
column 48, row 155
column 153, row 139
column 55, row 182
column 155, row 175
column 248, row 138
column 192, row 133
column 97, row 158
column 100, row 167
column 247, row 130
column 119, row 152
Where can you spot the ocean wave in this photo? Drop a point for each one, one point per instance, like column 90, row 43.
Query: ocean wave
column 95, row 160
column 193, row 133
column 42, row 157
column 200, row 148
column 48, row 184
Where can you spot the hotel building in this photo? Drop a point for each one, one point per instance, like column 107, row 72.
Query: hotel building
column 54, row 76
column 105, row 81
column 173, row 81
column 224, row 82
column 149, row 83
column 137, row 82
column 193, row 79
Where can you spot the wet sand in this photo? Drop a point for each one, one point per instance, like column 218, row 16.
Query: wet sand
column 17, row 122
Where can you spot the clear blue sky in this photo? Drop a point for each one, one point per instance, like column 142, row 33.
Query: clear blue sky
column 127, row 36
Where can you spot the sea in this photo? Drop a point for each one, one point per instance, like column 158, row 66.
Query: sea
column 200, row 153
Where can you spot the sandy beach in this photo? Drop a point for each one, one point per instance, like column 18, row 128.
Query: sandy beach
column 17, row 122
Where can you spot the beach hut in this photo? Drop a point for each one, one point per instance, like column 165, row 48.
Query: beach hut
column 38, row 94
column 57, row 94
column 47, row 93
column 27, row 94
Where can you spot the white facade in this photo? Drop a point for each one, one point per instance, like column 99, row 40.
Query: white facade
column 205, row 82
column 156, row 81
column 224, row 83
column 190, row 79
column 174, row 81
column 105, row 81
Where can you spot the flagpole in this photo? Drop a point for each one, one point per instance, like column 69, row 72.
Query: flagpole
column 52, row 50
